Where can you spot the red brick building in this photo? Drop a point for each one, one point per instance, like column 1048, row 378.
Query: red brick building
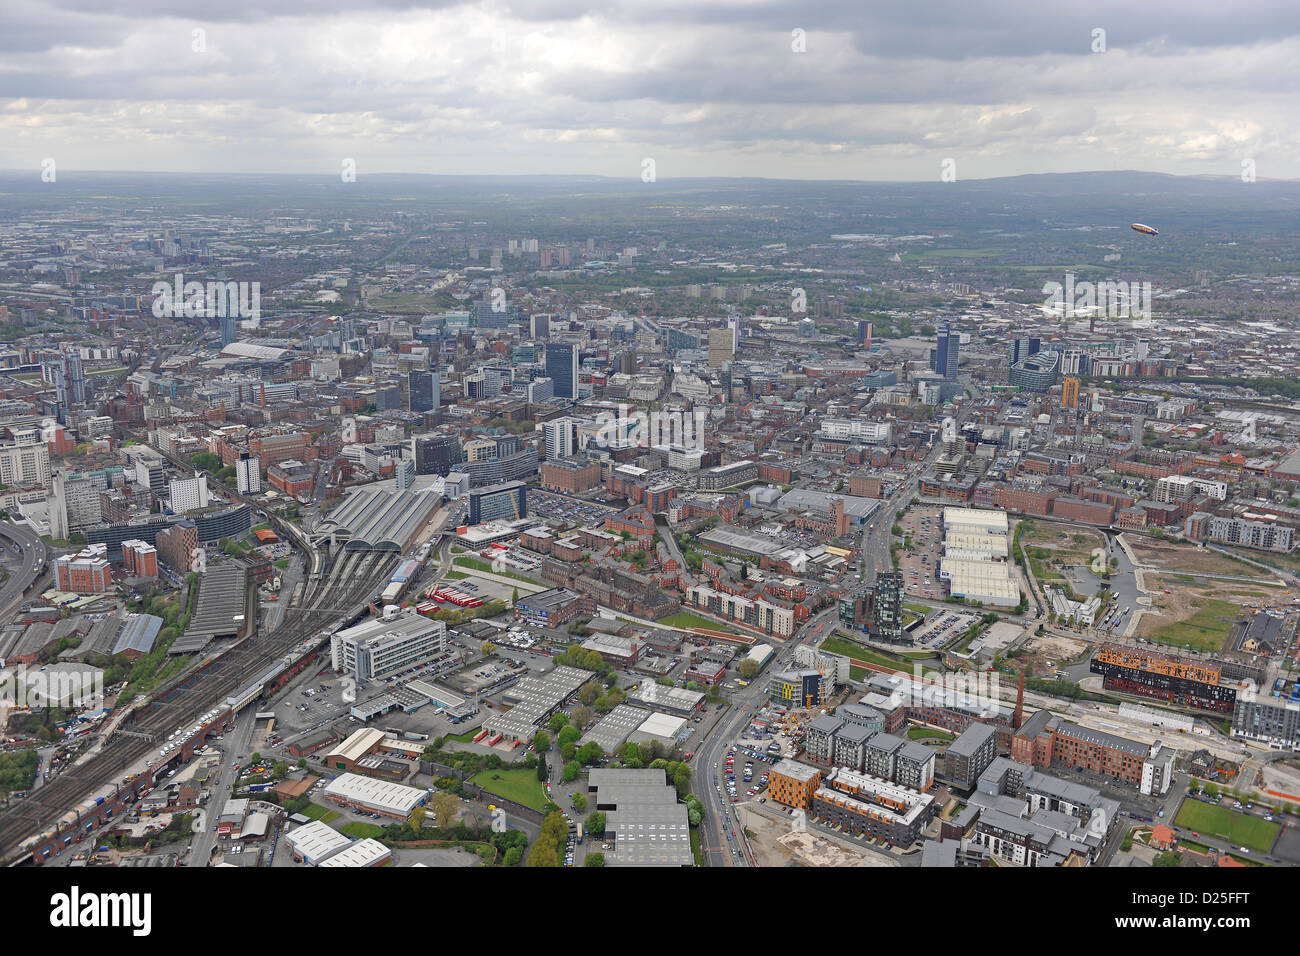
column 140, row 559
column 570, row 475
column 87, row 572
column 178, row 545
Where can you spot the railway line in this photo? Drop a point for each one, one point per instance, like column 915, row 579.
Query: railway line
column 349, row 584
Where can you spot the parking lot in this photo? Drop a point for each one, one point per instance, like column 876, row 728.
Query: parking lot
column 922, row 525
column 942, row 627
column 547, row 504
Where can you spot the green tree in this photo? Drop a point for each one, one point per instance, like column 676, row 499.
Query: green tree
column 444, row 810
column 571, row 771
column 594, row 859
column 541, row 741
column 557, row 722
column 513, row 856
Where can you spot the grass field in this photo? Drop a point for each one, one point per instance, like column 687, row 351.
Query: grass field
column 1237, row 828
column 323, row 814
column 486, row 567
column 521, row 786
column 360, row 830
column 1205, row 630
column 838, row 645
column 687, row 619
column 927, row 733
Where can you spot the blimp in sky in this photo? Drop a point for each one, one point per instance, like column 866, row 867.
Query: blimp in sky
column 1147, row 230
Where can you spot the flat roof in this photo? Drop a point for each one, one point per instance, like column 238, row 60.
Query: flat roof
column 365, row 852
column 316, row 840
column 357, row 745
column 795, row 770
column 380, row 794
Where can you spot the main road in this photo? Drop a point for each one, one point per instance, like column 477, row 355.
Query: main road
column 709, row 776
column 35, row 562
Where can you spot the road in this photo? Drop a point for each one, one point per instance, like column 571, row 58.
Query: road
column 235, row 750
column 35, row 562
column 709, row 773
column 708, row 782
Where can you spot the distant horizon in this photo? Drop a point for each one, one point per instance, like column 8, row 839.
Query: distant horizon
column 605, row 177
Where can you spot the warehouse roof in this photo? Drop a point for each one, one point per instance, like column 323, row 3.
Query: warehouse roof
column 139, row 634
column 379, row 794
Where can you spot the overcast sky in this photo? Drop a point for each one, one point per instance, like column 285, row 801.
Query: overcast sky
column 703, row 87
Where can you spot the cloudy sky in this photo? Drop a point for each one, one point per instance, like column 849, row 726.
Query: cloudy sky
column 866, row 90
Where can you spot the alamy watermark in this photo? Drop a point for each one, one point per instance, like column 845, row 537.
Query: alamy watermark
column 1111, row 300
column 210, row 300
column 677, row 430
column 978, row 690
column 21, row 687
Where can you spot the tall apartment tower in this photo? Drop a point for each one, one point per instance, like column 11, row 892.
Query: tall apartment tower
column 248, row 474
column 557, row 435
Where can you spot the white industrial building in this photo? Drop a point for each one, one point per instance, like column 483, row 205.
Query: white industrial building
column 379, row 796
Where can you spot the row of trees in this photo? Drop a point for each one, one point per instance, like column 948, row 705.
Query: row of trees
column 551, row 841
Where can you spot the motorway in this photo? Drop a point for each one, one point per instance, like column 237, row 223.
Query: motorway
column 36, row 562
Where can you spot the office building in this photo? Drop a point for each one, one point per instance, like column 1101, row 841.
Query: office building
column 24, row 464
column 424, row 389
column 722, row 346
column 946, row 354
column 380, row 646
column 1037, row 372
column 540, row 390
column 562, row 368
column 74, row 504
column 551, row 608
column 507, row 501
column 436, row 454
column 1022, row 348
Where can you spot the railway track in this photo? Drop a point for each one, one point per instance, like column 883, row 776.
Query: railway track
column 350, row 583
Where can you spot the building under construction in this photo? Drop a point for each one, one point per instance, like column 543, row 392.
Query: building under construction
column 1179, row 680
